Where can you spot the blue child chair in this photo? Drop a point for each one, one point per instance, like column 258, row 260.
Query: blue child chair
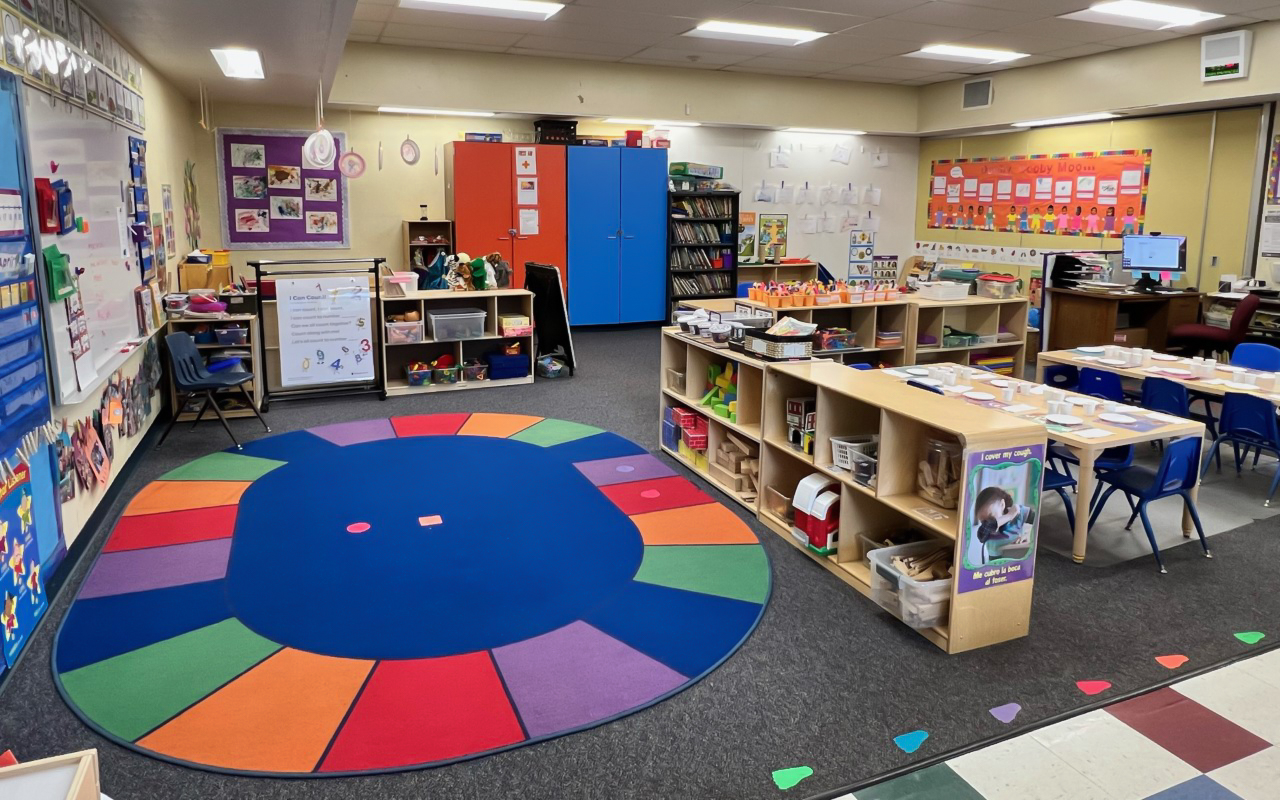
column 1101, row 384
column 1255, row 355
column 1061, row 376
column 191, row 378
column 1170, row 397
column 926, row 387
column 1248, row 420
column 1055, row 481
column 1176, row 475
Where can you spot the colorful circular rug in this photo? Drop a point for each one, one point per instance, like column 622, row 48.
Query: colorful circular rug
column 390, row 594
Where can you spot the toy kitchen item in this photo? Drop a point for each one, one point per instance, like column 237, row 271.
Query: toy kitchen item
column 817, row 513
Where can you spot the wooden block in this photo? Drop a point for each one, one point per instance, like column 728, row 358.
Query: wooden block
column 738, row 443
column 732, row 480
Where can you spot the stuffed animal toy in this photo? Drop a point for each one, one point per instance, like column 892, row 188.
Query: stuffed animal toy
column 478, row 274
column 501, row 270
column 459, row 274
column 434, row 277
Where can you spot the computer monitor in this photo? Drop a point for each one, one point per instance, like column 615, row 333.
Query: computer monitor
column 1148, row 256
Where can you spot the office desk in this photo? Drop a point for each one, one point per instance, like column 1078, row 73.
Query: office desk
column 1083, row 319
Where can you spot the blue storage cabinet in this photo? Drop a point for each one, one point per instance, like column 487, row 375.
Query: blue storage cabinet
column 617, row 235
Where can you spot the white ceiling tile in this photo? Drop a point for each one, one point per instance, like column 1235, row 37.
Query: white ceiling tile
column 379, row 2
column 431, row 33
column 522, row 51
column 1269, row 12
column 365, row 27
column 939, row 78
column 879, row 72
column 448, row 19
column 614, row 18
column 637, row 36
column 1070, row 30
column 1076, row 51
column 697, row 44
column 859, row 45
column 358, row 38
column 854, row 78
column 794, row 18
column 918, row 33
column 1139, row 39
column 959, row 16
column 1229, row 6
column 654, row 62
column 682, row 57
column 768, row 71
column 545, row 44
column 791, row 65
column 1021, row 42
column 702, row 9
column 448, row 45
column 861, row 8
column 368, row 11
column 839, row 49
column 1046, row 8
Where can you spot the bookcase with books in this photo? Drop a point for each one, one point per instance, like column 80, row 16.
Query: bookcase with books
column 702, row 245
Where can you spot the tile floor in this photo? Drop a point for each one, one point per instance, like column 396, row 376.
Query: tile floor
column 1212, row 737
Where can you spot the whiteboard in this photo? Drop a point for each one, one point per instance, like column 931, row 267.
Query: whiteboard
column 92, row 156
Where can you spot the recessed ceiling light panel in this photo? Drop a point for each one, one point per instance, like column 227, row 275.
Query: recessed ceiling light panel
column 1142, row 14
column 517, row 9
column 1036, row 123
column 973, row 55
column 743, row 32
column 237, row 62
column 435, row 112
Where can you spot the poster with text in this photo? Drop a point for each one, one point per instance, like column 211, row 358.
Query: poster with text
column 773, row 236
column 1075, row 194
column 1001, row 517
column 325, row 330
column 747, row 235
column 22, row 598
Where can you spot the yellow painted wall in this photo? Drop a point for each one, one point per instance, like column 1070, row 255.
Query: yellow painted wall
column 1178, row 193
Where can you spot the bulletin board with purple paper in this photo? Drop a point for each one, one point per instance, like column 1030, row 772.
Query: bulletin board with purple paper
column 273, row 198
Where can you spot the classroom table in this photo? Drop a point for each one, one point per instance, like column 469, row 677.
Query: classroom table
column 1085, row 446
column 1217, row 387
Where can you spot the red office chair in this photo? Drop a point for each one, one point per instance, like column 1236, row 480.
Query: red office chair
column 1209, row 339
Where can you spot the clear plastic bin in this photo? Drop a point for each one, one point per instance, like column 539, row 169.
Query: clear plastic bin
column 404, row 332
column 457, row 323
column 232, row 335
column 919, row 604
column 997, row 290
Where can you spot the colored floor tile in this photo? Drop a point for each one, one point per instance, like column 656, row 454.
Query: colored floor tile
column 1187, row 729
column 938, row 782
column 1201, row 788
column 551, row 432
column 277, row 717
column 1245, row 700
column 1254, row 778
column 659, row 494
column 223, row 467
column 133, row 693
column 500, row 426
column 162, row 496
column 709, row 523
column 1113, row 755
column 422, row 710
column 624, row 469
column 365, row 430
column 1022, row 768
column 175, row 527
column 737, row 571
column 157, row 568
column 428, row 424
column 593, row 675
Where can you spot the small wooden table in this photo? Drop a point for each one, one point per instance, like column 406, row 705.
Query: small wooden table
column 1088, row 449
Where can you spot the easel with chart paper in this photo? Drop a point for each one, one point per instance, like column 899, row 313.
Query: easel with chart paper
column 325, row 327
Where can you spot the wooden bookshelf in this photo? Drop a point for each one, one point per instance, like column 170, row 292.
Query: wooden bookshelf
column 230, row 400
column 427, row 238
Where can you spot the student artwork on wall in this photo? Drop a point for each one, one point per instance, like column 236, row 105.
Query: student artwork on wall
column 1067, row 194
column 271, row 199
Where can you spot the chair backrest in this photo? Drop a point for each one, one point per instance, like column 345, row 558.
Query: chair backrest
column 1241, row 317
column 744, row 288
column 1061, row 376
column 1251, row 415
column 188, row 366
column 1255, row 355
column 926, row 387
column 1162, row 394
column 1102, row 384
column 861, row 366
column 1180, row 467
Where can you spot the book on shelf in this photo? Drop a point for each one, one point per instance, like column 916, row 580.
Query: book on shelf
column 696, row 233
column 704, row 283
column 704, row 206
column 694, row 258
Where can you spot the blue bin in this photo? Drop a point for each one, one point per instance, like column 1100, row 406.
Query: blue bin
column 503, row 366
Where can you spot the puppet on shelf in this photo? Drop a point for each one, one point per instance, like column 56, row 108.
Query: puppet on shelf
column 458, row 273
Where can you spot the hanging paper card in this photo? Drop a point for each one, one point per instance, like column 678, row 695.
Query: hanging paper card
column 830, row 224
column 786, row 195
column 526, row 161
column 766, row 193
column 779, row 159
column 809, row 224
column 849, row 195
column 804, row 195
column 871, row 196
column 841, row 153
column 827, row 195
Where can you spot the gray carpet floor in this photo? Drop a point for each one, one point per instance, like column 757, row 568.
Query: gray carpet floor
column 827, row 680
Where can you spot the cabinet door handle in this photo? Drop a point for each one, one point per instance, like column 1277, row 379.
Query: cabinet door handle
column 628, row 237
column 522, row 238
column 611, row 237
column 504, row 238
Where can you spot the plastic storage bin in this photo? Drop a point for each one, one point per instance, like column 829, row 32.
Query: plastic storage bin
column 418, row 377
column 858, row 455
column 939, row 472
column 503, row 366
column 457, row 323
column 404, row 332
column 919, row 604
column 944, row 290
column 232, row 335
column 998, row 287
column 475, row 372
column 445, row 374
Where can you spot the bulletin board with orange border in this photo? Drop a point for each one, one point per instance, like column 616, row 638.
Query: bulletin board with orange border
column 1065, row 194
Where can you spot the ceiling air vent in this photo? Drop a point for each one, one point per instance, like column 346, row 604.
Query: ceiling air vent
column 977, row 94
